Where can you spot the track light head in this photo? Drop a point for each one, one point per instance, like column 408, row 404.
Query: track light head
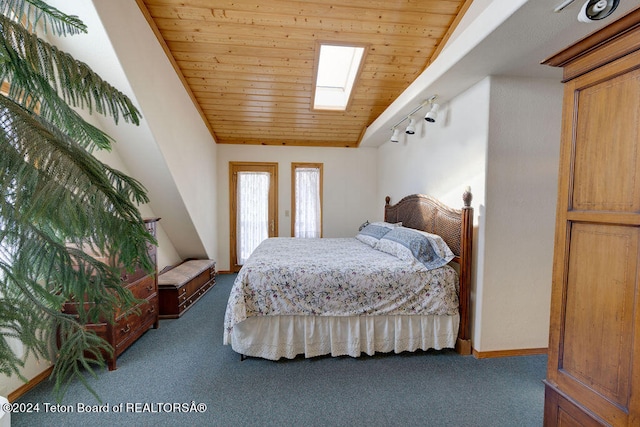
column 432, row 114
column 396, row 135
column 411, row 127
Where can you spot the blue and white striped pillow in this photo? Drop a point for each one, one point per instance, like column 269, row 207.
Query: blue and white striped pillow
column 416, row 246
column 374, row 231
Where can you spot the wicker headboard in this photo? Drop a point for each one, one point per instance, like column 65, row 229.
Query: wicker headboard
column 455, row 226
column 428, row 214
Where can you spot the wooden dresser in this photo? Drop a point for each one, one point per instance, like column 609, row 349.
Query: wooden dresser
column 127, row 327
column 593, row 374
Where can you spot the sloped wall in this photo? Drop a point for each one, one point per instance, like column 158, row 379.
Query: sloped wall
column 176, row 158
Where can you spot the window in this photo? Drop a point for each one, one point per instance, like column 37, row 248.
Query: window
column 307, row 199
column 336, row 71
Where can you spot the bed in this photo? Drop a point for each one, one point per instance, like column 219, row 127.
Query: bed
column 363, row 294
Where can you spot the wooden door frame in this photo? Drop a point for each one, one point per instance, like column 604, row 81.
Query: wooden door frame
column 234, row 168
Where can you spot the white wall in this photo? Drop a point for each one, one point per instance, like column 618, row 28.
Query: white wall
column 32, row 368
column 441, row 159
column 502, row 138
column 349, row 188
column 521, row 192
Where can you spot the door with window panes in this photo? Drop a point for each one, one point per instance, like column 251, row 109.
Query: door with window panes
column 253, row 216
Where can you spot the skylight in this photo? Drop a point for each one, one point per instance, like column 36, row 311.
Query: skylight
column 337, row 70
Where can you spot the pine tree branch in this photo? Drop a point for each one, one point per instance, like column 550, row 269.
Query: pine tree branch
column 35, row 12
column 79, row 353
column 73, row 80
column 52, row 108
column 59, row 181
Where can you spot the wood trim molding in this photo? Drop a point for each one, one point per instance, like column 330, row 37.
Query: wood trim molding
column 174, row 64
column 443, row 42
column 508, row 353
column 24, row 389
column 579, row 58
column 463, row 347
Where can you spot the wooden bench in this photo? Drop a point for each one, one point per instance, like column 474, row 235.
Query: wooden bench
column 179, row 287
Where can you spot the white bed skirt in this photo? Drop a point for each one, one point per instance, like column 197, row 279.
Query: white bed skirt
column 274, row 337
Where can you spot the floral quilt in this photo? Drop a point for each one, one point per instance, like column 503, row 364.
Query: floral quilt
column 335, row 277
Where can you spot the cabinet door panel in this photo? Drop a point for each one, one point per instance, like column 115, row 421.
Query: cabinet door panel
column 606, row 158
column 599, row 309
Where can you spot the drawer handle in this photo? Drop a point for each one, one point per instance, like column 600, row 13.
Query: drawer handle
column 151, row 309
column 150, row 288
column 124, row 278
column 125, row 330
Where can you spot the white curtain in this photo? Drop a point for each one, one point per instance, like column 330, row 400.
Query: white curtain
column 308, row 214
column 252, row 226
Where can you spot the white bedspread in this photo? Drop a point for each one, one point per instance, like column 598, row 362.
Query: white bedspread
column 335, row 277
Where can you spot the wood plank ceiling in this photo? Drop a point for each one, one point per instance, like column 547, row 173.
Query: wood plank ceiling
column 249, row 65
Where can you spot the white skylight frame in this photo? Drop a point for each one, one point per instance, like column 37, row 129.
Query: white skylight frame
column 337, row 68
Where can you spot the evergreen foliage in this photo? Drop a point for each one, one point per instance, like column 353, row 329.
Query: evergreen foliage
column 57, row 201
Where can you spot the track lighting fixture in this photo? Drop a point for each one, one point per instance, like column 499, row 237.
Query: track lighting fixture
column 433, row 113
column 396, row 135
column 411, row 127
column 564, row 4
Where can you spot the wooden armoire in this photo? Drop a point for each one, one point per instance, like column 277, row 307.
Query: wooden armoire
column 593, row 374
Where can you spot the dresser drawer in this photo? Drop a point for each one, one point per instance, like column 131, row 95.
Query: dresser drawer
column 131, row 325
column 188, row 299
column 131, row 276
column 197, row 293
column 143, row 288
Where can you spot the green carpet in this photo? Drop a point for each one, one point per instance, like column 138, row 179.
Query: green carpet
column 182, row 375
